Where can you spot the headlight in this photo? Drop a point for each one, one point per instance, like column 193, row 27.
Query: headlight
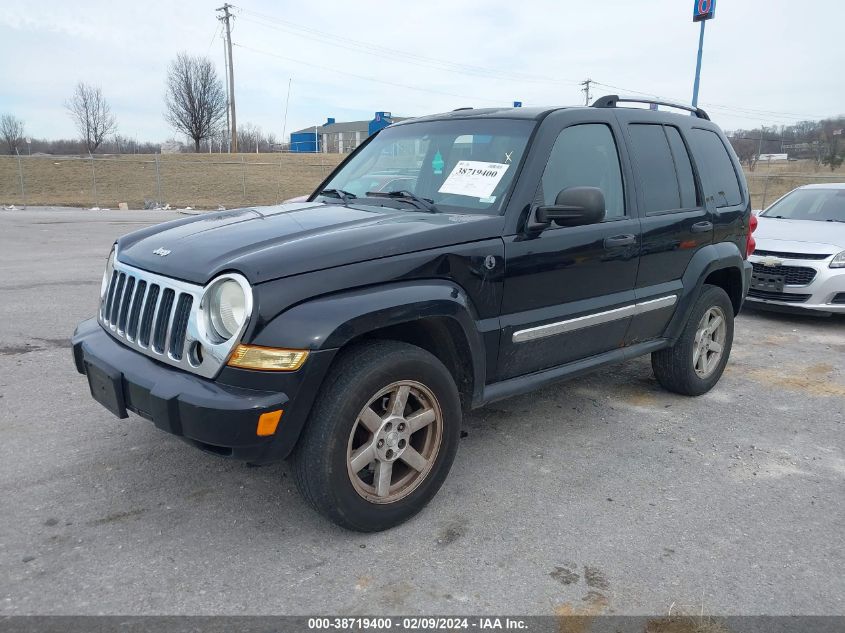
column 838, row 261
column 107, row 274
column 226, row 307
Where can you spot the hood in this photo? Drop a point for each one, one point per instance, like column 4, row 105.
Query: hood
column 799, row 236
column 267, row 243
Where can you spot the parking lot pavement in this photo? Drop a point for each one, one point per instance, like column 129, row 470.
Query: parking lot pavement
column 605, row 494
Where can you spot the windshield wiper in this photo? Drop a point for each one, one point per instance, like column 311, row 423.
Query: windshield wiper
column 344, row 196
column 425, row 204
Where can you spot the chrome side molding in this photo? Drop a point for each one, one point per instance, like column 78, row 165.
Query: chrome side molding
column 589, row 320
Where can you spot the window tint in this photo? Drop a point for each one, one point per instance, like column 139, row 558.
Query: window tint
column 683, row 168
column 655, row 167
column 717, row 171
column 586, row 156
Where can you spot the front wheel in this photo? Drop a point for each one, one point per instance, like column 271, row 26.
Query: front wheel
column 381, row 437
column 694, row 364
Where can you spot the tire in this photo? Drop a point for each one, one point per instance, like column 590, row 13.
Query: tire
column 367, row 380
column 679, row 368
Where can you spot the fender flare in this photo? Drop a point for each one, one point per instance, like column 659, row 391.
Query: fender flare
column 710, row 258
column 332, row 321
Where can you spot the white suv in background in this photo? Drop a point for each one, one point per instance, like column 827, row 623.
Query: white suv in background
column 799, row 261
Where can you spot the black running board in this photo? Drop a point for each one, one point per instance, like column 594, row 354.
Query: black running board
column 530, row 382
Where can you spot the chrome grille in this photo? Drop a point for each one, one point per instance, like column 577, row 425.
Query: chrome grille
column 159, row 317
column 793, row 275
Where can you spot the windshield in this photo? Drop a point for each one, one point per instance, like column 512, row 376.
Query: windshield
column 824, row 205
column 466, row 164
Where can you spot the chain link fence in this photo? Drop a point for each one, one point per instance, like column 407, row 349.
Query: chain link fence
column 202, row 181
column 209, row 181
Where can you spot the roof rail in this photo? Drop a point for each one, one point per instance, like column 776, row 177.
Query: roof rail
column 464, row 108
column 611, row 101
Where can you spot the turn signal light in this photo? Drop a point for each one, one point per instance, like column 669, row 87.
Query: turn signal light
column 267, row 358
column 267, row 423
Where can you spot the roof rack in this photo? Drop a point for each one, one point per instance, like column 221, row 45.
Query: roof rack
column 611, row 101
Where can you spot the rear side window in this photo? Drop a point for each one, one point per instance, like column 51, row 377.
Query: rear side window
column 683, row 167
column 656, row 168
column 717, row 170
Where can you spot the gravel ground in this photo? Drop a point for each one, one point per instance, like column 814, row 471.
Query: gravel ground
column 605, row 494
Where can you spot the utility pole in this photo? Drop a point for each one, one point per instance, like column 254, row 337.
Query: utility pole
column 226, row 18
column 228, row 101
column 586, row 90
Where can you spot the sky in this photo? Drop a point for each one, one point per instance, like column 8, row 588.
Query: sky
column 766, row 62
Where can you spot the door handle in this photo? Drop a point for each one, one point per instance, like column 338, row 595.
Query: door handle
column 619, row 240
column 701, row 227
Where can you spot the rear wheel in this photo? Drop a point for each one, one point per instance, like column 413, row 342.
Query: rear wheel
column 695, row 363
column 381, row 437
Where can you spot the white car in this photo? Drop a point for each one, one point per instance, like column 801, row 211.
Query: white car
column 799, row 261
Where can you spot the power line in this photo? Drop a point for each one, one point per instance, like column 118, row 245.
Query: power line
column 732, row 109
column 274, row 22
column 213, row 37
column 365, row 77
column 394, row 54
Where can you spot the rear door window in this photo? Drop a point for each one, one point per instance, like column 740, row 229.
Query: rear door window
column 716, row 169
column 683, row 167
column 655, row 167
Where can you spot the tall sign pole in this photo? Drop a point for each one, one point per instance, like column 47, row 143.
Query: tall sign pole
column 702, row 11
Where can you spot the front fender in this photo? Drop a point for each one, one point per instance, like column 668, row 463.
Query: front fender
column 332, row 321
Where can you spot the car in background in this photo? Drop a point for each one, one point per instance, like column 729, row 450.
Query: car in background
column 799, row 261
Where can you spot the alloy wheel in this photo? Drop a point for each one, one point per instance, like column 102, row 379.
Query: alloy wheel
column 394, row 442
column 709, row 342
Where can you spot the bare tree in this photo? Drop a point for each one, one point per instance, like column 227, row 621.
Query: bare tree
column 249, row 136
column 11, row 128
column 195, row 99
column 746, row 150
column 91, row 114
column 830, row 133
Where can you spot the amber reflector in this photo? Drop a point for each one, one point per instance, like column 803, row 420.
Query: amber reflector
column 267, row 358
column 268, row 422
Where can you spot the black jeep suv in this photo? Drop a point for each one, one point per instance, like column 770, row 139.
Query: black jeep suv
column 519, row 247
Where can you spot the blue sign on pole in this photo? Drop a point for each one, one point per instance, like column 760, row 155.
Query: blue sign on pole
column 517, row 104
column 703, row 10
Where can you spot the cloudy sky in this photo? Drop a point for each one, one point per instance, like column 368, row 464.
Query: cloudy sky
column 769, row 62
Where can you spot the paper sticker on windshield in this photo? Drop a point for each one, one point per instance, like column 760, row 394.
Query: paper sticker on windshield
column 474, row 178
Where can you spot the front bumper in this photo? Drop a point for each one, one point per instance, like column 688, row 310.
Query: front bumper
column 214, row 416
column 825, row 293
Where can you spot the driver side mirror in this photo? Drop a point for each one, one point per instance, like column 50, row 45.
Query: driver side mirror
column 574, row 206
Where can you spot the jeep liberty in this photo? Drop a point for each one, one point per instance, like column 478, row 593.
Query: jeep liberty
column 517, row 248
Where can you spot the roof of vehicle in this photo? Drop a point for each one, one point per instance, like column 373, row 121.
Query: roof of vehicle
column 532, row 113
column 536, row 113
column 824, row 185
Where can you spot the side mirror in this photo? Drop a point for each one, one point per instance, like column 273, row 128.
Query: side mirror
column 574, row 206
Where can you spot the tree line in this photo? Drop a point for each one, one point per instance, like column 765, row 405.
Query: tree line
column 195, row 105
column 820, row 141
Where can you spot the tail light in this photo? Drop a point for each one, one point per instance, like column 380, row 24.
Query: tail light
column 750, row 244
